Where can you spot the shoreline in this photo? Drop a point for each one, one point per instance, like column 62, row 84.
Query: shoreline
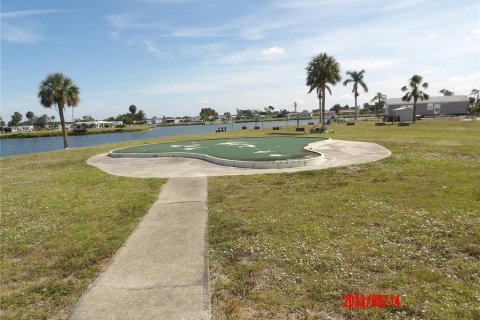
column 56, row 133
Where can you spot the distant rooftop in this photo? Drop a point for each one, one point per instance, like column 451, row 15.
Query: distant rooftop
column 395, row 101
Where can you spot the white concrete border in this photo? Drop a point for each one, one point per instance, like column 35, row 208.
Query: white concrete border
column 275, row 164
column 337, row 153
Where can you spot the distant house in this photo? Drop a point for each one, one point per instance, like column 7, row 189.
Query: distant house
column 346, row 112
column 301, row 114
column 451, row 105
column 169, row 120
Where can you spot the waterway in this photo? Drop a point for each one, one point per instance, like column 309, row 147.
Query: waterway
column 9, row 147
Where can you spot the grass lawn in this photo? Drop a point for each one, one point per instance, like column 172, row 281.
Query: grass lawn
column 60, row 222
column 288, row 246
column 282, row 245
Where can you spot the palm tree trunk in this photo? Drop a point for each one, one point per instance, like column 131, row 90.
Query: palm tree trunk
column 355, row 104
column 323, row 109
column 414, row 110
column 64, row 130
column 319, row 109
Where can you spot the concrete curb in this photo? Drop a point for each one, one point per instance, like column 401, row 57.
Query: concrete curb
column 336, row 153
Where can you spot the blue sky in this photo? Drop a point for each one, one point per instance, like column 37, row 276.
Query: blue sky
column 173, row 57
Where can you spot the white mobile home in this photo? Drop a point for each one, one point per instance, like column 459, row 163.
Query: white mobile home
column 434, row 106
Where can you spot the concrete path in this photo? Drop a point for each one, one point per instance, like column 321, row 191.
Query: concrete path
column 162, row 270
column 337, row 153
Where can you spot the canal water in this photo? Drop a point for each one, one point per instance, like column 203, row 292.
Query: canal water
column 9, row 147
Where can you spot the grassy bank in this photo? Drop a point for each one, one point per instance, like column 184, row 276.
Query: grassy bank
column 53, row 133
column 288, row 246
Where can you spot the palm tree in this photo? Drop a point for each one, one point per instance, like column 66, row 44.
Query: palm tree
column 132, row 110
column 59, row 90
column 415, row 84
column 357, row 79
column 322, row 71
column 475, row 94
column 447, row 92
column 30, row 115
column 379, row 100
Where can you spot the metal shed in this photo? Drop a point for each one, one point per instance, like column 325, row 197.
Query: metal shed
column 403, row 113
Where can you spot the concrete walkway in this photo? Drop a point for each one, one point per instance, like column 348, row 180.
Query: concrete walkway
column 337, row 153
column 162, row 270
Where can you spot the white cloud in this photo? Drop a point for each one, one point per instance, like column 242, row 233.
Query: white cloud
column 151, row 48
column 272, row 52
column 27, row 13
column 16, row 34
column 252, row 34
column 17, row 28
column 368, row 64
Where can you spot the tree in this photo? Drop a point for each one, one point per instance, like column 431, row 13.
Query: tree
column 141, row 117
column 474, row 107
column 16, row 119
column 357, row 79
column 379, row 101
column 59, row 90
column 475, row 95
column 247, row 114
column 446, row 92
column 227, row 116
column 322, row 71
column 415, row 93
column 366, row 108
column 41, row 122
column 30, row 116
column 133, row 110
column 336, row 107
column 207, row 113
column 87, row 118
column 126, row 118
column 2, row 123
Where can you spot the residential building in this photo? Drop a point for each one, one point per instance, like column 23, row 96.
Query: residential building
column 434, row 106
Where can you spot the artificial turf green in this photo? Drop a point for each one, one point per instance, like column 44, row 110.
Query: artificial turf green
column 245, row 149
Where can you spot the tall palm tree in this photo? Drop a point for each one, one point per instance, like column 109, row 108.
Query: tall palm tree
column 357, row 79
column 59, row 90
column 322, row 71
column 379, row 100
column 415, row 93
column 132, row 110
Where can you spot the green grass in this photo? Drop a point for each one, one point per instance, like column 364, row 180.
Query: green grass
column 287, row 246
column 408, row 224
column 60, row 222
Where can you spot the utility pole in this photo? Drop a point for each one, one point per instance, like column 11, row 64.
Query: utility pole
column 295, row 108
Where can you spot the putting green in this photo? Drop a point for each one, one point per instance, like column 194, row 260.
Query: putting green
column 242, row 149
